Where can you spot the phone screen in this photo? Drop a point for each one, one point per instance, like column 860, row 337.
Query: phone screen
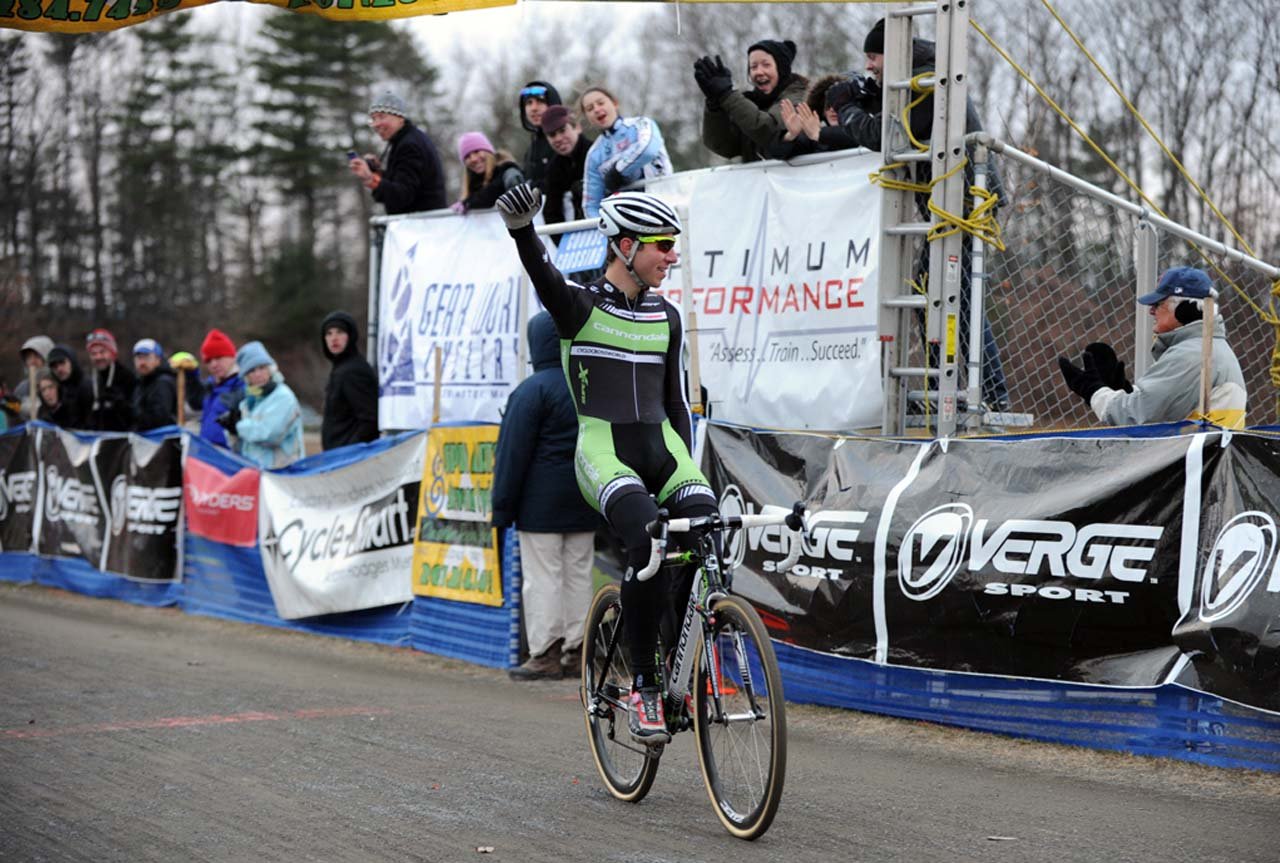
column 351, row 154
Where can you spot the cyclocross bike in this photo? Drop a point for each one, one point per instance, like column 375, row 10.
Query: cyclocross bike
column 721, row 679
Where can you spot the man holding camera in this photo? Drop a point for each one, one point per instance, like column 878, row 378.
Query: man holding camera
column 408, row 177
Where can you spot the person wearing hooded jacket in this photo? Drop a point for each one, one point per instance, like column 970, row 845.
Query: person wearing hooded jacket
column 351, row 395
column 75, row 390
column 748, row 124
column 535, row 488
column 268, row 422
column 1170, row 389
column 535, row 98
column 218, row 393
column 155, row 398
column 35, row 354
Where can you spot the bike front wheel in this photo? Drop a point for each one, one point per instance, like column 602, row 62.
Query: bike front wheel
column 740, row 719
column 627, row 767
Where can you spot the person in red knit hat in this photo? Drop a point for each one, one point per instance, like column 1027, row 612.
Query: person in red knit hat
column 219, row 393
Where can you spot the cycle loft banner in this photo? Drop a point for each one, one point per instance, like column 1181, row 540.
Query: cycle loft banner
column 450, row 284
column 19, row 484
column 341, row 540
column 783, row 265
column 1118, row 561
column 455, row 556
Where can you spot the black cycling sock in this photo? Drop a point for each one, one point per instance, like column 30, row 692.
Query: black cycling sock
column 641, row 600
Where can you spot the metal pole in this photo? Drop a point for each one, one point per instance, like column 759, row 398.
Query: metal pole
column 1206, row 356
column 1119, row 203
column 376, row 232
column 1146, row 266
column 977, row 289
column 522, row 328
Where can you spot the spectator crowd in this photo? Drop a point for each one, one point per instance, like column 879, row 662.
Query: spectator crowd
column 237, row 395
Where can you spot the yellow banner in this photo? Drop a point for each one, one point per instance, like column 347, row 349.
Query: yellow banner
column 455, row 552
column 88, row 16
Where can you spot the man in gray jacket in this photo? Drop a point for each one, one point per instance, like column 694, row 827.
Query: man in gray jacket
column 1170, row 390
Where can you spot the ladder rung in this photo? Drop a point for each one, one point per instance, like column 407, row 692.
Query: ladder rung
column 910, row 156
column 914, row 301
column 908, row 229
column 925, row 82
column 912, row 11
column 913, row 372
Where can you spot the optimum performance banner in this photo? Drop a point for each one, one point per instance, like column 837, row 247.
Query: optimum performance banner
column 341, row 540
column 773, row 310
column 1124, row 562
column 452, row 284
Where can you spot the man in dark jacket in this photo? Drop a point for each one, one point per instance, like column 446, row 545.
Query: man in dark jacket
column 408, row 178
column 564, row 173
column 113, row 385
column 351, row 395
column 155, row 399
column 75, row 390
column 535, row 98
column 535, row 489
column 218, row 394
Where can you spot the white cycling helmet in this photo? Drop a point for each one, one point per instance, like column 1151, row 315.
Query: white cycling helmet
column 637, row 213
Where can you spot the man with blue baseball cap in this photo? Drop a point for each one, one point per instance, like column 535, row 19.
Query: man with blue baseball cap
column 155, row 398
column 1170, row 390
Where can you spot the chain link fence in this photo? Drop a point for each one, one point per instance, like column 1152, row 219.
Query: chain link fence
column 1067, row 277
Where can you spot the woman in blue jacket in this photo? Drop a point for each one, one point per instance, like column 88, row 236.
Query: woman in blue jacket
column 628, row 149
column 268, row 422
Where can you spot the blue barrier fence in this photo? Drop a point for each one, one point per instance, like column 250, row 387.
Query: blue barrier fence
column 1169, row 721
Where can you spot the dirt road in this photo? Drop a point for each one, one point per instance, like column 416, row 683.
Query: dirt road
column 137, row 734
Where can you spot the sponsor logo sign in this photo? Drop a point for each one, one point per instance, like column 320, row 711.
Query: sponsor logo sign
column 455, row 556
column 221, row 507
column 340, row 540
column 1242, row 556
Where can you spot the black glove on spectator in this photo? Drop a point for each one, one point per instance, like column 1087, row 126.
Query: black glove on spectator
column 872, row 96
column 229, row 419
column 613, row 181
column 713, row 77
column 840, row 94
column 1084, row 382
column 1110, row 369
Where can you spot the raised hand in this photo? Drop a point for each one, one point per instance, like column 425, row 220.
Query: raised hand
column 519, row 205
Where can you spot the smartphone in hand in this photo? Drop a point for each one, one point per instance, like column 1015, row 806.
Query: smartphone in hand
column 352, row 155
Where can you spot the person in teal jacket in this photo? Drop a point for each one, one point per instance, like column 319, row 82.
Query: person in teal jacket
column 268, row 422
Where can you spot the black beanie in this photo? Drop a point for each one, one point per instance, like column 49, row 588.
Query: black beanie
column 782, row 53
column 874, row 43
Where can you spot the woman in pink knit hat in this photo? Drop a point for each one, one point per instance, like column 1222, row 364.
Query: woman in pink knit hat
column 489, row 173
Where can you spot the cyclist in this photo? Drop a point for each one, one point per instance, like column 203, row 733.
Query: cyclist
column 621, row 346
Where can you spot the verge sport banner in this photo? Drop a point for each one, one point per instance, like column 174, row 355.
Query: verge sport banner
column 19, row 484
column 455, row 555
column 1058, row 558
column 451, row 283
column 1229, row 629
column 72, row 520
column 771, row 310
column 143, row 480
column 341, row 540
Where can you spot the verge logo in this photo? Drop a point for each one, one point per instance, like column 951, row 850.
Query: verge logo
column 949, row 537
column 833, row 534
column 944, row 528
column 68, row 499
column 1241, row 557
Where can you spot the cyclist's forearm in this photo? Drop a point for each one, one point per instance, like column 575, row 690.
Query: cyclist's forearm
column 551, row 286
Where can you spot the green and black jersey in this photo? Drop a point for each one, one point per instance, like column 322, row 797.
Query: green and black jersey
column 622, row 359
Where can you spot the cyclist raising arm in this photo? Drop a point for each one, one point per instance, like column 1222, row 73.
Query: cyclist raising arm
column 620, row 347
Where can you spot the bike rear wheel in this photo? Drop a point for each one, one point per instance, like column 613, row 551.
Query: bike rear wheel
column 742, row 746
column 627, row 767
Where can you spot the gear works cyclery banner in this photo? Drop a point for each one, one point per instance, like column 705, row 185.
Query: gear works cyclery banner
column 1118, row 561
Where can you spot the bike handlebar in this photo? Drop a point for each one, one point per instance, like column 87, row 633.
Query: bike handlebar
column 771, row 515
